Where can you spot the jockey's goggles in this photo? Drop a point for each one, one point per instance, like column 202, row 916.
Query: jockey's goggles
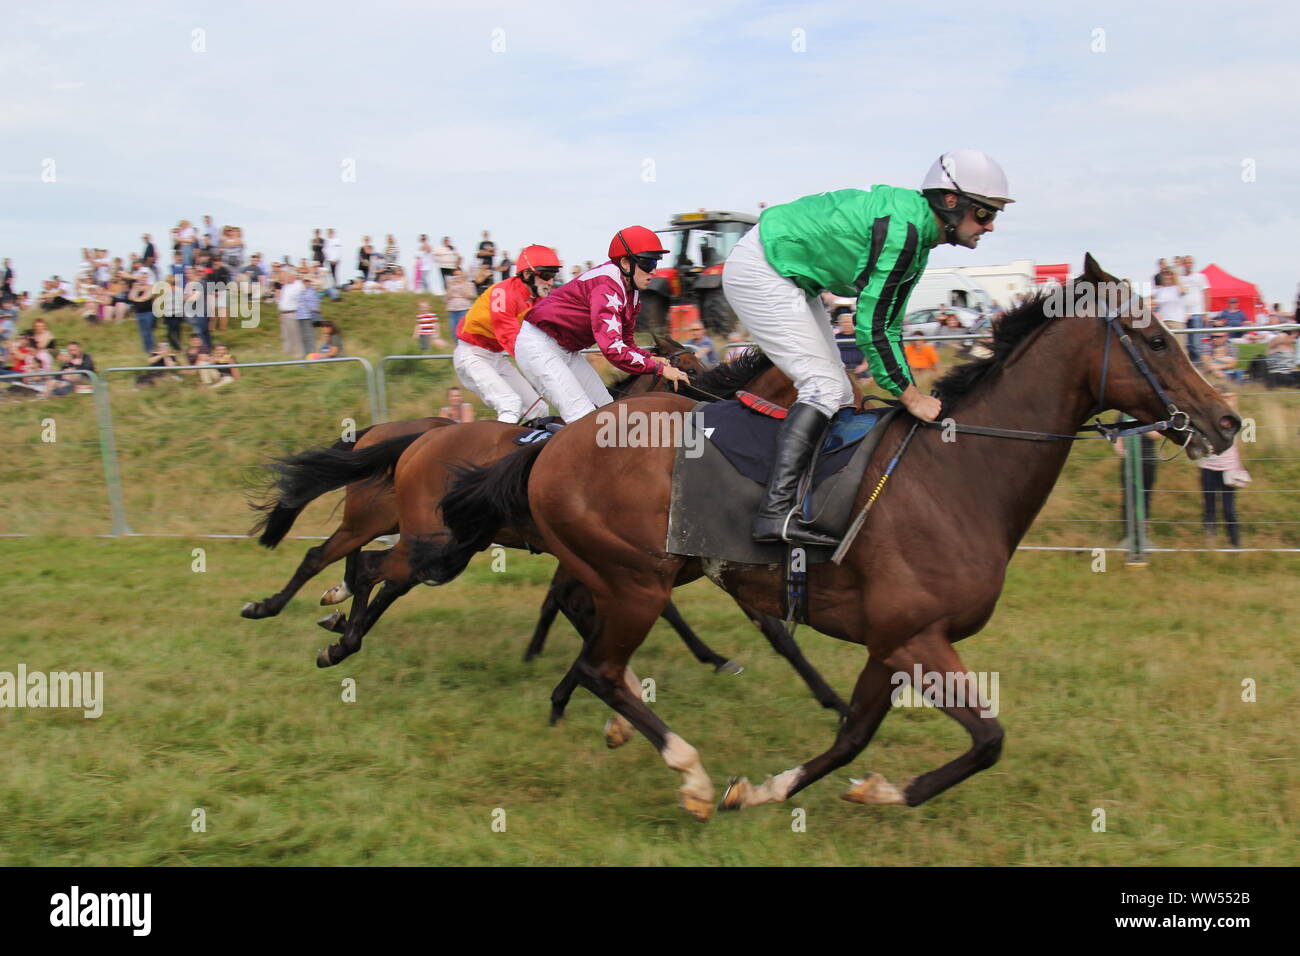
column 546, row 273
column 647, row 263
column 983, row 214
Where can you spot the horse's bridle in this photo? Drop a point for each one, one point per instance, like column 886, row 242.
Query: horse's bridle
column 1115, row 430
column 1178, row 419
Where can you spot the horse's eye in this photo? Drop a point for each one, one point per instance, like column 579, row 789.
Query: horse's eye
column 1158, row 343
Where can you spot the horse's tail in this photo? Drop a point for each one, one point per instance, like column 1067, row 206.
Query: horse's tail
column 482, row 501
column 304, row 477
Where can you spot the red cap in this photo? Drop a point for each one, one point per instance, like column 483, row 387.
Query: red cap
column 537, row 257
column 635, row 241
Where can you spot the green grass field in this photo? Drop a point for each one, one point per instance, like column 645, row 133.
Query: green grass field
column 1119, row 691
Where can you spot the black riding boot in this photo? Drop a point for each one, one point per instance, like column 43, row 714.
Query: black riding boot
column 800, row 435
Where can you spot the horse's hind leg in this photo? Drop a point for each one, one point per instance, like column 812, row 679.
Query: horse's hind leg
column 625, row 618
column 961, row 700
column 781, row 641
column 343, row 541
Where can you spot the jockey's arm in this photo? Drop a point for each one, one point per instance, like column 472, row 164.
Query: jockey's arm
column 612, row 325
column 882, row 302
column 506, row 311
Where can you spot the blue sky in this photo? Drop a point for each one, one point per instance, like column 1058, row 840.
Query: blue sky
column 539, row 121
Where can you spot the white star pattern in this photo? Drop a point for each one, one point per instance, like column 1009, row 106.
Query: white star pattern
column 635, row 358
column 613, row 324
column 613, row 301
column 617, row 346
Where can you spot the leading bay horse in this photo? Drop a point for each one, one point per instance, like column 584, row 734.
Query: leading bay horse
column 927, row 568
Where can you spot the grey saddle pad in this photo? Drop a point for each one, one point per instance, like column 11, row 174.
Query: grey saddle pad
column 713, row 505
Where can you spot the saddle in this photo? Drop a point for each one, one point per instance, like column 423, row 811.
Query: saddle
column 716, row 494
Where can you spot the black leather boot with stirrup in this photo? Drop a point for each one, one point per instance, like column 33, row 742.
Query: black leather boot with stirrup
column 801, row 434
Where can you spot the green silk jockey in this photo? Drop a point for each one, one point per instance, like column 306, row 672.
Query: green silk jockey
column 869, row 244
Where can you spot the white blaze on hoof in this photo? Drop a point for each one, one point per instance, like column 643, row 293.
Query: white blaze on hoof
column 336, row 595
column 699, row 808
column 742, row 793
column 697, row 789
column 618, row 731
column 737, row 794
column 874, row 790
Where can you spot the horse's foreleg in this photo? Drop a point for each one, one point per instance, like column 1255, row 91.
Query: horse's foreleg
column 781, row 641
column 871, row 702
column 394, row 569
column 960, row 700
column 550, row 607
column 359, row 579
column 345, row 588
column 703, row 653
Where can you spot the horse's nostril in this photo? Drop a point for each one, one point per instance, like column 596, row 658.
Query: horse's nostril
column 1229, row 424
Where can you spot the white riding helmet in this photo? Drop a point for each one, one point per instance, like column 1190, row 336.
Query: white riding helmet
column 972, row 173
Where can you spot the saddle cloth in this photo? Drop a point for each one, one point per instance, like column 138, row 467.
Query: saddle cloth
column 716, row 495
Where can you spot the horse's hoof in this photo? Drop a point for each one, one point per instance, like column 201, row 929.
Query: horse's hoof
column 729, row 667
column 250, row 611
column 618, row 731
column 332, row 622
column 323, row 658
column 699, row 808
column 335, row 595
column 737, row 791
column 874, row 790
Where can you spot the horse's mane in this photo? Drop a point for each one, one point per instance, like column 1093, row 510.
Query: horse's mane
column 722, row 380
column 726, row 377
column 1008, row 333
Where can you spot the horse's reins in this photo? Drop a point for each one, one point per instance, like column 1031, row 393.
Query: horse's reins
column 1111, row 432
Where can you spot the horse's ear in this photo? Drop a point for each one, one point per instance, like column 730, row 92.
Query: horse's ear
column 1093, row 272
column 665, row 344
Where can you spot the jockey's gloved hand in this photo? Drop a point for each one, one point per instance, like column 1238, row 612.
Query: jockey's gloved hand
column 925, row 407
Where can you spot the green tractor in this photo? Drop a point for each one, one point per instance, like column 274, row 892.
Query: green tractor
column 689, row 286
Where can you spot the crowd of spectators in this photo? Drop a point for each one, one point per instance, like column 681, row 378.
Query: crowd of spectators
column 1181, row 297
column 208, row 271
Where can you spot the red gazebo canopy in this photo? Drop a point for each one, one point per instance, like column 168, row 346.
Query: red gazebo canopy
column 1224, row 287
column 1047, row 273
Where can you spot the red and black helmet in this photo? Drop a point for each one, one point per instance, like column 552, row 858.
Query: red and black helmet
column 533, row 258
column 635, row 241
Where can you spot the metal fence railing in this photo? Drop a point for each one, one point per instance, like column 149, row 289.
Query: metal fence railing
column 86, row 460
